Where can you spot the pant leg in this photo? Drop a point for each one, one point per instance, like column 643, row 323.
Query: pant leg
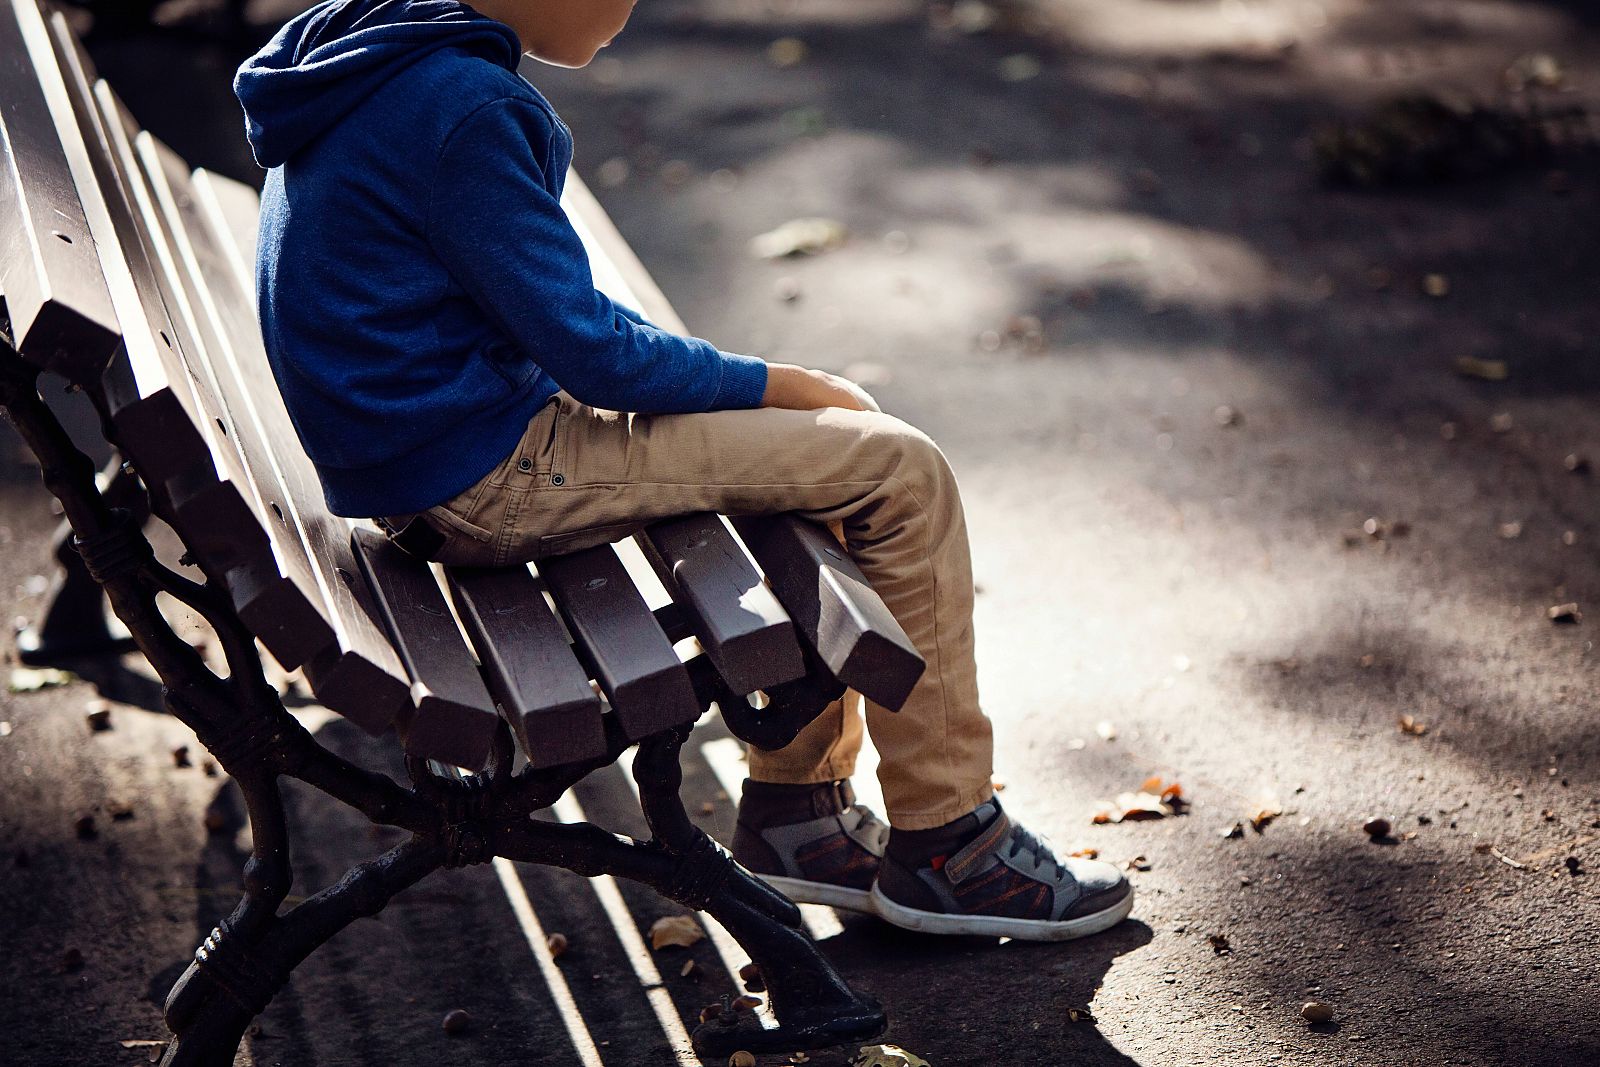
column 594, row 475
column 824, row 751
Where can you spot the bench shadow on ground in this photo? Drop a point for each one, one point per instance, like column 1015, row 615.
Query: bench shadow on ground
column 374, row 994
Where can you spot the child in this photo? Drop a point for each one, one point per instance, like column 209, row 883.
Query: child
column 452, row 372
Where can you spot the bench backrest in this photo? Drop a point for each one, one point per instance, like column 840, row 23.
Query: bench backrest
column 132, row 276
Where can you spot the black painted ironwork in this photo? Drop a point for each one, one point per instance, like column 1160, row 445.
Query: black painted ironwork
column 454, row 821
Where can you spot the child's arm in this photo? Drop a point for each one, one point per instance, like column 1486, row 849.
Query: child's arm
column 498, row 228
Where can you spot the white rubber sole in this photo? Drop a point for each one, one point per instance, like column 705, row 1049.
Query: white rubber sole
column 933, row 922
column 834, row 896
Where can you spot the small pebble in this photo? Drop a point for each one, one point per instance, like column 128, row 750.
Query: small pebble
column 457, row 1021
column 750, row 975
column 746, row 1003
column 709, row 1012
column 180, row 757
column 84, row 828
column 742, row 1059
column 1314, row 1011
column 98, row 716
column 557, row 944
column 1376, row 827
column 689, row 969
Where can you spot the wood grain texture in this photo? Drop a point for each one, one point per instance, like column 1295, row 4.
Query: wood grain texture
column 834, row 607
column 542, row 690
column 740, row 624
column 455, row 718
column 631, row 658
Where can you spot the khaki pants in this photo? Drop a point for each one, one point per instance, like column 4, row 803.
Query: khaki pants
column 581, row 477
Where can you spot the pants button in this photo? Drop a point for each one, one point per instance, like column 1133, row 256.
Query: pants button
column 556, row 479
column 524, row 464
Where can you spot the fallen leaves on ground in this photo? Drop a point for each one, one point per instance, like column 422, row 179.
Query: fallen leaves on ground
column 799, row 237
column 1486, row 847
column 33, row 679
column 1486, row 370
column 1155, row 799
column 887, row 1056
column 1267, row 809
column 675, row 931
column 1565, row 613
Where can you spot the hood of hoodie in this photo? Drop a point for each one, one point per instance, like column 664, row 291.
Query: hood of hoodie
column 325, row 62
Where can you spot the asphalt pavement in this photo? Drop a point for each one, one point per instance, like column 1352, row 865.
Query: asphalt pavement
column 1242, row 517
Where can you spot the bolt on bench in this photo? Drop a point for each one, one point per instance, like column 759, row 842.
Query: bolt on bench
column 130, row 276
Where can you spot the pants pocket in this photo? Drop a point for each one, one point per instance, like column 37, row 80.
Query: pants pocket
column 588, row 537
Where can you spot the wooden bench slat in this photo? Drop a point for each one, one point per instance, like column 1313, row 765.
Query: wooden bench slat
column 631, row 658
column 359, row 676
column 740, row 624
column 542, row 690
column 455, row 718
column 834, row 607
column 61, row 313
column 156, row 433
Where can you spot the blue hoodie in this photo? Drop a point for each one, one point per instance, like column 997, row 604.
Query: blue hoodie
column 422, row 294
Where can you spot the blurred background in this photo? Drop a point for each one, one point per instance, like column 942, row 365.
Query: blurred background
column 1263, row 338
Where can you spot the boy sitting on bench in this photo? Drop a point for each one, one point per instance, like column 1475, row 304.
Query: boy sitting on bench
column 452, row 372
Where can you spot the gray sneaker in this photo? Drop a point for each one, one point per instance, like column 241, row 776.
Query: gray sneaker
column 830, row 859
column 1003, row 883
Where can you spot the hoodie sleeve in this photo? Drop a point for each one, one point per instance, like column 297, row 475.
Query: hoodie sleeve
column 506, row 239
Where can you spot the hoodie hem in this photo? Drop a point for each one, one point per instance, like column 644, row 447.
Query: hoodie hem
column 444, row 468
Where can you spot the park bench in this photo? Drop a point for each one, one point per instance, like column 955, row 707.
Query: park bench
column 129, row 275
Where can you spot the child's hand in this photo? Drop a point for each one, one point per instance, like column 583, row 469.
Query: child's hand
column 800, row 389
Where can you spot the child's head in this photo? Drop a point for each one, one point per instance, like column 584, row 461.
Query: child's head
column 566, row 33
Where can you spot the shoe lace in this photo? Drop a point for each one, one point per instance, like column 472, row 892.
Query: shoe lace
column 1023, row 840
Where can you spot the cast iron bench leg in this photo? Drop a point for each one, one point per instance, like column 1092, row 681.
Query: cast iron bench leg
column 76, row 624
column 242, row 722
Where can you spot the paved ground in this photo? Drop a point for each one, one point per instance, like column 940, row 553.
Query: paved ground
column 1062, row 266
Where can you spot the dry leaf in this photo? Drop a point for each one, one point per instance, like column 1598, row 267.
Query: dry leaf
column 1138, row 863
column 1409, row 725
column 799, row 237
column 675, row 931
column 1567, row 613
column 786, row 52
column 1488, row 370
column 1266, row 810
column 887, row 1056
column 31, row 680
column 1085, row 854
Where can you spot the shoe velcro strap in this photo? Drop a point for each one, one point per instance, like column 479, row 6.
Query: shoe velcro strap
column 969, row 861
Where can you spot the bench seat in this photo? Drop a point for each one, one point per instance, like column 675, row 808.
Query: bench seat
column 131, row 274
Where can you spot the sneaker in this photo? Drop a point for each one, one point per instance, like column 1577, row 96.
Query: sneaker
column 1005, row 882
column 813, row 844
